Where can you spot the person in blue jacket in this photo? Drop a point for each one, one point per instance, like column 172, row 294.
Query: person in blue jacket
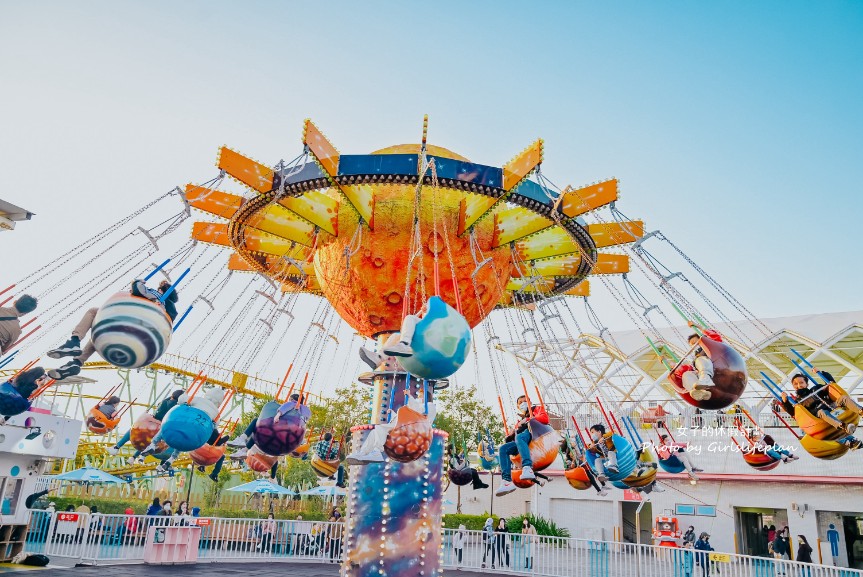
column 704, row 547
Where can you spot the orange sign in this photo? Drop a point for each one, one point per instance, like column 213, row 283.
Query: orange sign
column 203, row 522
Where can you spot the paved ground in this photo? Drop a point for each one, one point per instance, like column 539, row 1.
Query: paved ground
column 205, row 570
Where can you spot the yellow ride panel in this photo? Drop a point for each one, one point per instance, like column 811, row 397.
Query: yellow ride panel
column 281, row 222
column 362, row 198
column 521, row 165
column 253, row 174
column 582, row 200
column 611, row 264
column 261, row 241
column 559, row 266
column 521, row 284
column 471, row 208
column 514, row 223
column 317, row 207
column 215, row 202
column 582, row 289
column 614, row 233
column 323, row 149
column 211, row 232
column 236, row 262
column 548, row 243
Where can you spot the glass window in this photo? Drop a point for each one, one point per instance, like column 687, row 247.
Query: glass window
column 705, row 510
column 684, row 509
column 11, row 495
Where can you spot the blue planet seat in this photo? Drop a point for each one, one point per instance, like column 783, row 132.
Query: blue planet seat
column 441, row 342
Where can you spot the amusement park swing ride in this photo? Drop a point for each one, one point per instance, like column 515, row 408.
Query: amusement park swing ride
column 406, row 230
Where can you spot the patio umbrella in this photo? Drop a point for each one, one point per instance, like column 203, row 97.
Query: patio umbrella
column 88, row 475
column 325, row 491
column 262, row 486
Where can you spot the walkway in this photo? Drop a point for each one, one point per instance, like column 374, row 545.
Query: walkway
column 214, row 569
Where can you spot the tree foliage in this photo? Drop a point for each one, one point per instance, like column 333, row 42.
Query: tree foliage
column 463, row 413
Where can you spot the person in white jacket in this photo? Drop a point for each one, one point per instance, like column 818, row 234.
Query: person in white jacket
column 458, row 542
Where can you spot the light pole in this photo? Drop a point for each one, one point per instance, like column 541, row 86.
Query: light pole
column 189, row 488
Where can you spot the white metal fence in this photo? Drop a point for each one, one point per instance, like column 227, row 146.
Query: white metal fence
column 71, row 538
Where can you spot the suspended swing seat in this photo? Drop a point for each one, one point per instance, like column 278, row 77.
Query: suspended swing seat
column 11, row 401
column 487, row 456
column 822, row 449
column 544, row 446
column 440, row 344
column 279, row 437
column 302, row 451
column 259, row 461
column 760, row 461
column 207, row 455
column 98, row 423
column 130, row 331
column 729, row 376
column 642, row 478
column 669, row 461
column 577, row 478
column 625, row 459
column 186, row 428
column 324, row 468
column 143, row 430
column 410, row 438
column 460, row 476
column 818, row 428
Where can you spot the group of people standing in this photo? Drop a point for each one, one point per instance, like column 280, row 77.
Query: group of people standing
column 496, row 540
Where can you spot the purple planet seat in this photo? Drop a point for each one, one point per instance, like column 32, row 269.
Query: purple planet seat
column 279, row 437
column 460, row 477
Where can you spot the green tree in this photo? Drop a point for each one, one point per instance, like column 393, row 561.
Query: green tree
column 463, row 413
column 349, row 406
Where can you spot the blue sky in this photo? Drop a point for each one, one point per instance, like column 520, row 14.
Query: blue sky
column 735, row 127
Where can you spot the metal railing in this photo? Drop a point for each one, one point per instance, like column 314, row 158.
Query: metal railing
column 72, row 538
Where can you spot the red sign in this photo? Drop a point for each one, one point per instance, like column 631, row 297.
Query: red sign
column 631, row 495
column 67, row 516
column 203, row 522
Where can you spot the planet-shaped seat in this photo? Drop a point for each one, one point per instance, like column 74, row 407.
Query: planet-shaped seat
column 819, row 429
column 278, row 437
column 440, row 344
column 760, row 461
column 821, row 449
column 130, row 331
column 11, row 401
column 186, row 428
column 625, row 459
column 577, row 478
column 259, row 461
column 207, row 455
column 729, row 376
column 460, row 475
column 410, row 438
column 98, row 423
column 487, row 456
column 324, row 468
column 143, row 430
column 672, row 465
column 544, row 446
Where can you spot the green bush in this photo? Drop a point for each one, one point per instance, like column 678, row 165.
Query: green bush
column 542, row 525
column 471, row 522
column 314, row 512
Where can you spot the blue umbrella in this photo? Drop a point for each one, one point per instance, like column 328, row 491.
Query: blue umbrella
column 325, row 491
column 89, row 475
column 262, row 486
